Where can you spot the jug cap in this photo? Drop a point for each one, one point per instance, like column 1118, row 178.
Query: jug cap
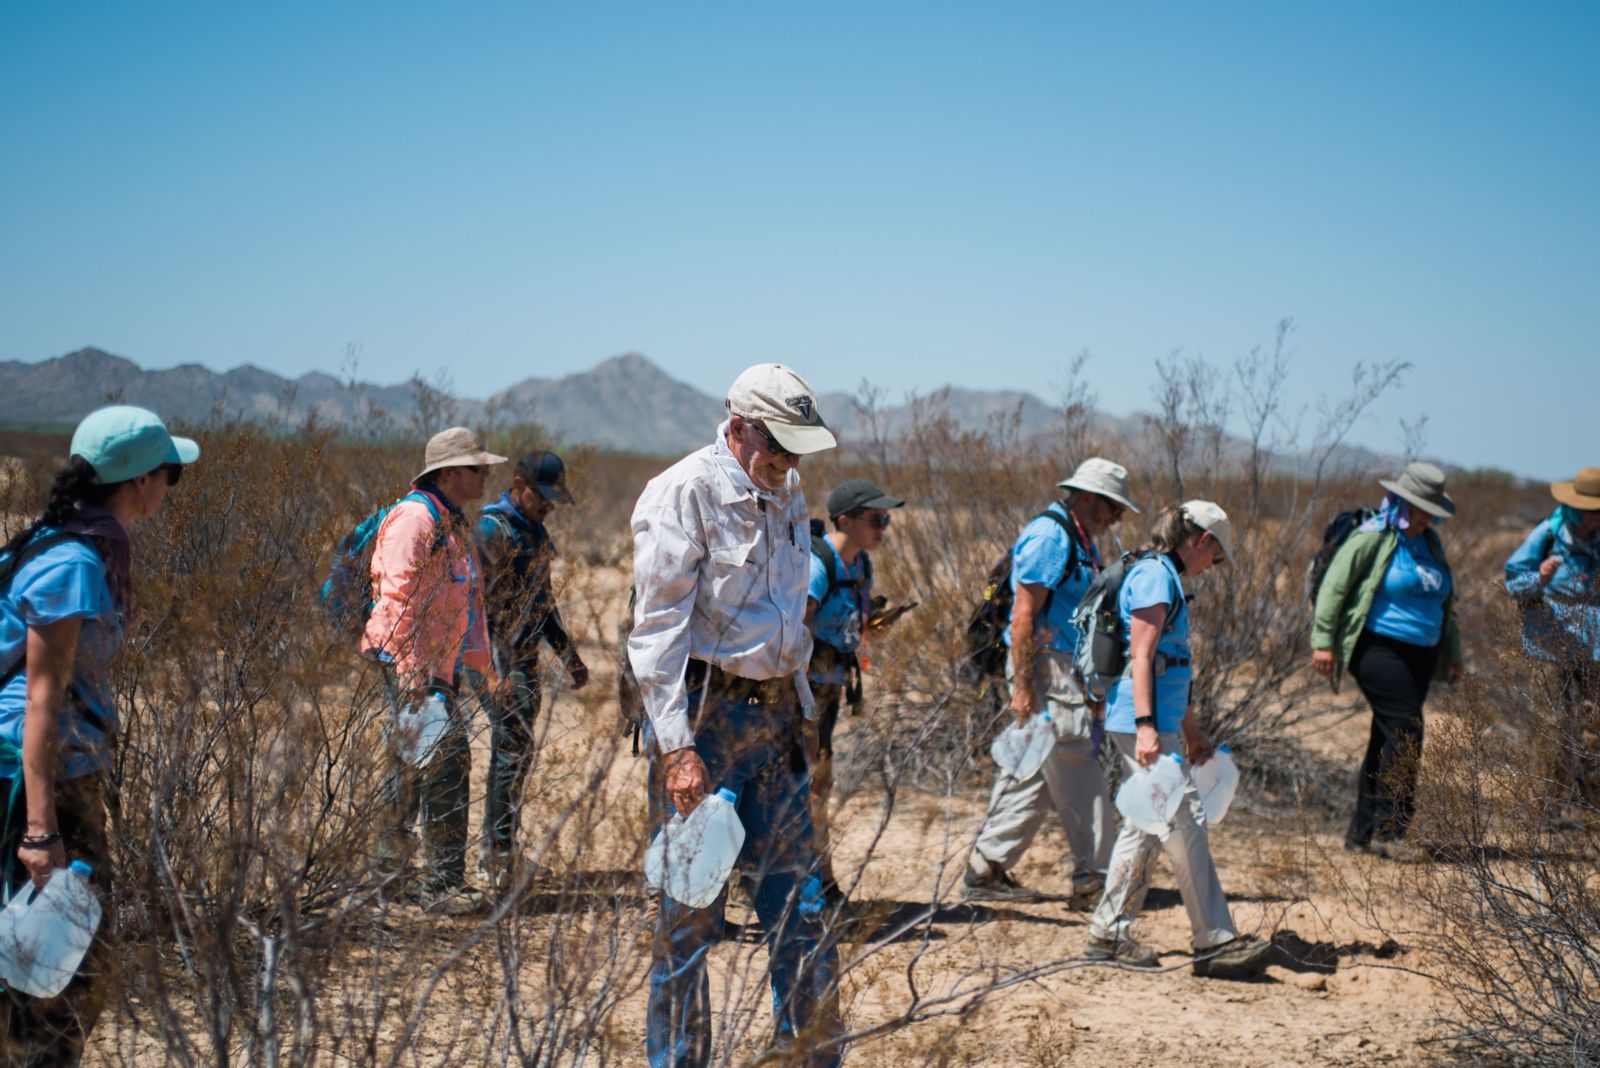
column 82, row 867
column 728, row 795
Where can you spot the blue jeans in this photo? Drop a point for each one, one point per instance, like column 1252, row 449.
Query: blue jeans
column 749, row 748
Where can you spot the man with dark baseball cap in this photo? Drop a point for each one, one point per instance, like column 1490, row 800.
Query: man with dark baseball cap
column 517, row 553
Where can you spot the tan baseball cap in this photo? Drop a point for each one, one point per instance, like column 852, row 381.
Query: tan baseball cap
column 1210, row 518
column 456, row 447
column 784, row 403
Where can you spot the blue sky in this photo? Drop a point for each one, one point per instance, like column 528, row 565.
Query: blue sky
column 914, row 193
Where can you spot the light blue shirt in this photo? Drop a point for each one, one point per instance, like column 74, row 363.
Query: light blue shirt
column 1408, row 605
column 839, row 619
column 1153, row 581
column 1561, row 621
column 65, row 581
column 1041, row 556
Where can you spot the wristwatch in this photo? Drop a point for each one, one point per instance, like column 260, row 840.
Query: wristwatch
column 1144, row 721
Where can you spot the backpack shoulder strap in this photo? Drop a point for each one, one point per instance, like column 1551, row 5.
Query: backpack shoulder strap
column 1072, row 541
column 440, row 531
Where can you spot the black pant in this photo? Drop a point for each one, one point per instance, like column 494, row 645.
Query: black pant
column 1393, row 676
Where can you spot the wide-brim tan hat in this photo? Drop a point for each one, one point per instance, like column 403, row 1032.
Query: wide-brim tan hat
column 1423, row 485
column 456, row 447
column 1582, row 493
column 1103, row 478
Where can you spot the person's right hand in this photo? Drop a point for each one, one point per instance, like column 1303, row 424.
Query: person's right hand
column 687, row 780
column 1322, row 662
column 1146, row 746
column 41, row 862
column 1548, row 569
column 1024, row 703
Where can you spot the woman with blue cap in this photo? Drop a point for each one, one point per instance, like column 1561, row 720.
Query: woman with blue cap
column 65, row 594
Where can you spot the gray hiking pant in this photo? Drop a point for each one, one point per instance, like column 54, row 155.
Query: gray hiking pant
column 1188, row 849
column 1071, row 782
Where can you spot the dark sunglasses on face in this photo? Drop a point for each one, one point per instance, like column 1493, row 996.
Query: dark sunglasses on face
column 771, row 442
column 173, row 472
column 1117, row 510
column 877, row 522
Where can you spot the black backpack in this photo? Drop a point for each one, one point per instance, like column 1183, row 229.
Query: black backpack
column 985, row 652
column 1338, row 531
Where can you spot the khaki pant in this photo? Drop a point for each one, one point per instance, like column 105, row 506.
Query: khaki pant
column 1188, row 849
column 1071, row 782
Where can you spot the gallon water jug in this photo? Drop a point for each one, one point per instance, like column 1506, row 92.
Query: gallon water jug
column 1216, row 780
column 691, row 859
column 1020, row 749
column 45, row 933
column 1150, row 797
column 417, row 730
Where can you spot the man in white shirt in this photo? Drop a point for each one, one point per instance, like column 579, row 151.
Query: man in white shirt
column 720, row 649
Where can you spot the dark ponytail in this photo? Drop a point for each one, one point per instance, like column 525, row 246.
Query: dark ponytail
column 73, row 487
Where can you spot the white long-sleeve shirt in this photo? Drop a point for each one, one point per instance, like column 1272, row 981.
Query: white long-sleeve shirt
column 720, row 568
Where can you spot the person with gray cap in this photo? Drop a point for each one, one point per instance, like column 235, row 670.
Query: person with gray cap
column 1554, row 578
column 1147, row 717
column 1386, row 612
column 66, row 592
column 428, row 624
column 517, row 553
column 839, row 610
column 720, row 650
column 1053, row 562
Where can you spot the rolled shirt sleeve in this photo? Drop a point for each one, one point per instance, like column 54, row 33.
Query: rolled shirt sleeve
column 668, row 547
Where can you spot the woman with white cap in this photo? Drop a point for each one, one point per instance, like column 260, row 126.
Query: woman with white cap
column 1385, row 612
column 1146, row 717
column 1053, row 562
column 65, row 593
column 1554, row 576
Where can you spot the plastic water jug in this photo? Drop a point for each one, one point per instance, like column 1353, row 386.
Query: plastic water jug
column 691, row 859
column 1020, row 749
column 45, row 933
column 1150, row 797
column 417, row 730
column 1217, row 780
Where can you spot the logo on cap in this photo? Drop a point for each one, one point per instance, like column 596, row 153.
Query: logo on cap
column 801, row 404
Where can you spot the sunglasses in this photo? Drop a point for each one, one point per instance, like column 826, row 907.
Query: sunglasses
column 771, row 442
column 1117, row 510
column 173, row 473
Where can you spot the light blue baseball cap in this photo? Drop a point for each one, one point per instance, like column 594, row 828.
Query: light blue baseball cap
column 123, row 442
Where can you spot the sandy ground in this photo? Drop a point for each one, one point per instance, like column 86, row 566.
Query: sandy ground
column 997, row 984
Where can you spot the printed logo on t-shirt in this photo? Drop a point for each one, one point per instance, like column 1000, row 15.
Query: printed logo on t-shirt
column 1431, row 578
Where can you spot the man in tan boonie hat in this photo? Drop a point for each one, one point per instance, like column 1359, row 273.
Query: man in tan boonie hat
column 1422, row 484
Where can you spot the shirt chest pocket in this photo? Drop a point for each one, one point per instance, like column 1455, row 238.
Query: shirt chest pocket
column 731, row 544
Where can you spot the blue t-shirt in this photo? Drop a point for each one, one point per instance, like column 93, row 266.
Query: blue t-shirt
column 1153, row 581
column 1409, row 603
column 65, row 581
column 1041, row 556
column 839, row 619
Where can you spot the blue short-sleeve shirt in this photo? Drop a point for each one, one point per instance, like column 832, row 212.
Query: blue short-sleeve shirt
column 1153, row 581
column 1045, row 555
column 1409, row 603
column 65, row 581
column 839, row 619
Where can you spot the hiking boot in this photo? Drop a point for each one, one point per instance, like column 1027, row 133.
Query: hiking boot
column 997, row 885
column 453, row 901
column 1241, row 958
column 1120, row 951
column 1382, row 850
column 1085, row 895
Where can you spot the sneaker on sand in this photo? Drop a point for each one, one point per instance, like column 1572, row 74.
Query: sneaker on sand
column 1242, row 958
column 1120, row 951
column 454, row 901
column 997, row 885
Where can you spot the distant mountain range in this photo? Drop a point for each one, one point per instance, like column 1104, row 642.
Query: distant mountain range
column 625, row 403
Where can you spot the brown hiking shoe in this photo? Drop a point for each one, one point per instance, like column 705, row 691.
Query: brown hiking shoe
column 1241, row 958
column 1120, row 951
column 997, row 885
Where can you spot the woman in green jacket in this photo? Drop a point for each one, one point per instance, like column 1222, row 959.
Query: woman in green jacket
column 1384, row 612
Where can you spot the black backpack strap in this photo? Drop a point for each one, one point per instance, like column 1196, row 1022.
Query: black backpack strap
column 1072, row 553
